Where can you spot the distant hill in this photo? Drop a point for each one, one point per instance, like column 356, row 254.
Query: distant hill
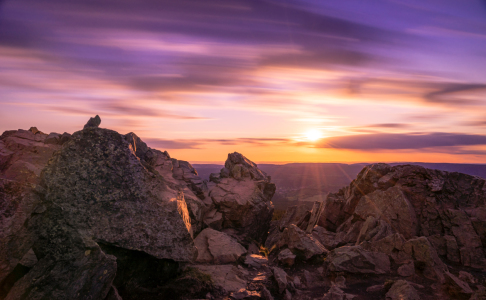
column 310, row 182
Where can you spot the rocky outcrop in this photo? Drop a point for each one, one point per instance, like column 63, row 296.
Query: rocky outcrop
column 23, row 155
column 101, row 215
column 241, row 196
column 447, row 208
column 104, row 190
column 95, row 190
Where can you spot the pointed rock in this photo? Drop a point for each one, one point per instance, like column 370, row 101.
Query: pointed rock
column 93, row 122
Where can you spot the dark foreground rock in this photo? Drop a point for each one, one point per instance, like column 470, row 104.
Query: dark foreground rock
column 23, row 155
column 96, row 191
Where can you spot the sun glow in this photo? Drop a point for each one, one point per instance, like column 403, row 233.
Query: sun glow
column 313, row 135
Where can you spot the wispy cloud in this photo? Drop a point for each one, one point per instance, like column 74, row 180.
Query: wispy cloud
column 207, row 72
column 391, row 141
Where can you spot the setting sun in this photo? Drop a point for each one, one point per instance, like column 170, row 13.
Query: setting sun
column 313, row 135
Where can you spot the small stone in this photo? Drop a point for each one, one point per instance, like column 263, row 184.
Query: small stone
column 93, row 122
column 53, row 138
column 281, row 279
column 407, row 269
column 113, row 294
column 244, row 294
column 375, row 288
column 288, row 295
column 402, row 290
column 253, row 249
column 340, row 282
column 286, row 257
column 256, row 261
column 297, row 282
column 456, row 287
column 34, row 130
column 29, row 259
column 309, row 279
column 266, row 294
column 65, row 137
column 335, row 293
column 467, row 277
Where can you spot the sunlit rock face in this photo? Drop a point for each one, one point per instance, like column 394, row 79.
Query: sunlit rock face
column 177, row 174
column 446, row 208
column 241, row 200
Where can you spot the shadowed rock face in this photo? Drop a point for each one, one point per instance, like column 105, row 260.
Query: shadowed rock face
column 23, row 155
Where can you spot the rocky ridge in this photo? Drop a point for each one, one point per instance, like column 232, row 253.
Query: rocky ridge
column 100, row 215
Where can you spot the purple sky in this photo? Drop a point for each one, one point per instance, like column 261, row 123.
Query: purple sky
column 372, row 80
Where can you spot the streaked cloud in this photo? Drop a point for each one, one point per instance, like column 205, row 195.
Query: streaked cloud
column 193, row 75
column 391, row 141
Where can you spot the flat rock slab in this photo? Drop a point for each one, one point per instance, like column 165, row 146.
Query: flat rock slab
column 217, row 247
column 229, row 277
column 256, row 261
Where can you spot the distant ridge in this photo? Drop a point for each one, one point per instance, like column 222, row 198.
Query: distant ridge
column 308, row 182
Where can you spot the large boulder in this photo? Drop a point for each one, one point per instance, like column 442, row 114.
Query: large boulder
column 96, row 192
column 242, row 195
column 325, row 237
column 217, row 247
column 300, row 243
column 105, row 191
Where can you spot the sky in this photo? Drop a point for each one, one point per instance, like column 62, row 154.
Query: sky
column 278, row 81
